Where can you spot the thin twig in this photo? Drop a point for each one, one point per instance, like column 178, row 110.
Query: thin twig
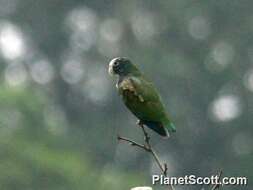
column 151, row 150
column 148, row 148
column 132, row 143
column 218, row 185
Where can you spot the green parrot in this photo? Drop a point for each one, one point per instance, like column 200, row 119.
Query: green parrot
column 140, row 96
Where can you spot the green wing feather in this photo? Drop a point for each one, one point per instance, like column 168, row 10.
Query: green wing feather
column 141, row 97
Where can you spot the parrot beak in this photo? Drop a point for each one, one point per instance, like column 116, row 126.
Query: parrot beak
column 110, row 70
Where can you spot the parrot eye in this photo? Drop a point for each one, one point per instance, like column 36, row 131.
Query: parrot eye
column 116, row 63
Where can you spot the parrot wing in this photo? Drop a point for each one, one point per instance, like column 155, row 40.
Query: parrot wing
column 141, row 97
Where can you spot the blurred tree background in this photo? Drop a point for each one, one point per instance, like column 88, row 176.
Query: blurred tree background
column 59, row 110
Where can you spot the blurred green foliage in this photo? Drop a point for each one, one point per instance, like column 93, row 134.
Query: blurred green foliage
column 31, row 157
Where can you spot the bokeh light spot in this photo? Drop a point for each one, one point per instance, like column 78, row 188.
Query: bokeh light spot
column 96, row 87
column 111, row 30
column 11, row 41
column 83, row 23
column 143, row 26
column 42, row 72
column 226, row 108
column 220, row 57
column 72, row 71
column 199, row 28
column 15, row 74
column 223, row 53
column 248, row 80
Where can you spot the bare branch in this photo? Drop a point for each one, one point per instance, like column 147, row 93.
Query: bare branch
column 148, row 148
column 165, row 169
column 133, row 143
column 217, row 186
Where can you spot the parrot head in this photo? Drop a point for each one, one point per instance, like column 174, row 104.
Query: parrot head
column 122, row 66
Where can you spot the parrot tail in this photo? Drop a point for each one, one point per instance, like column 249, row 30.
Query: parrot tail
column 170, row 127
column 159, row 128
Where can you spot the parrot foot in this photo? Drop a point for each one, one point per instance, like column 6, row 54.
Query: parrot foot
column 139, row 123
column 146, row 136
